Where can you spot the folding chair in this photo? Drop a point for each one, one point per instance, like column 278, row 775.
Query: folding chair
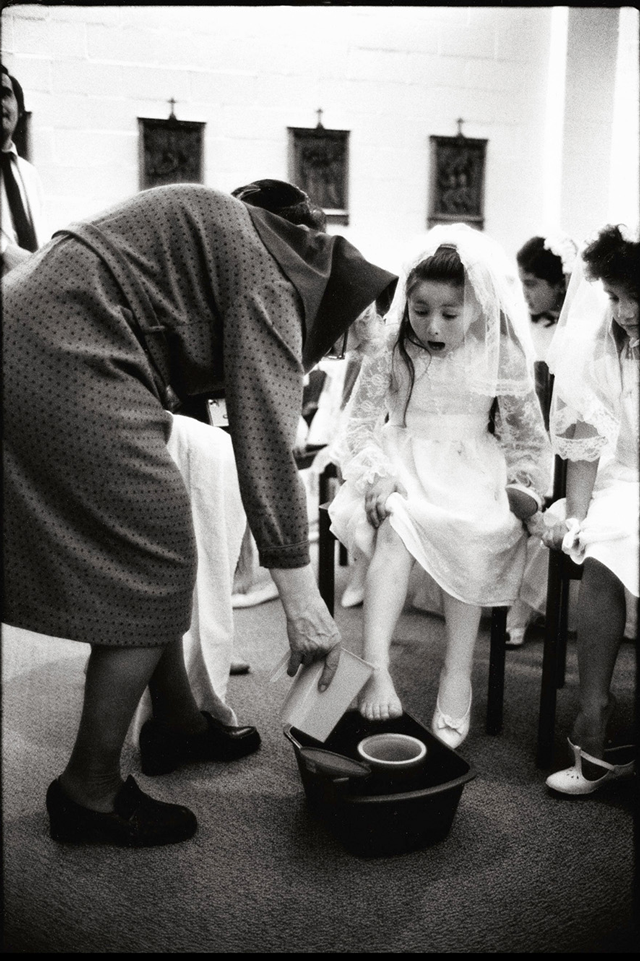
column 326, row 584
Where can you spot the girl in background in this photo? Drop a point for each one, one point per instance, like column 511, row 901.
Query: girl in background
column 544, row 266
column 594, row 426
column 444, row 454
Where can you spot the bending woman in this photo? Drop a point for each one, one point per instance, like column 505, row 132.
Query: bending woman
column 180, row 290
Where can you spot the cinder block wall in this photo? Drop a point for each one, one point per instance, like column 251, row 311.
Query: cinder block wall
column 391, row 75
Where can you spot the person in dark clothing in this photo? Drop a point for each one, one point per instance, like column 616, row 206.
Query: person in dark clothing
column 21, row 194
column 179, row 291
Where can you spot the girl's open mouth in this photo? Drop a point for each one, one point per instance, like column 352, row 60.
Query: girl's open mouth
column 436, row 345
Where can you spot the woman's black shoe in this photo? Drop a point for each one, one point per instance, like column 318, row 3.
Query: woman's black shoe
column 137, row 821
column 162, row 749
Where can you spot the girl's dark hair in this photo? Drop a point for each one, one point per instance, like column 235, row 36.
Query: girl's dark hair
column 542, row 263
column 284, row 199
column 20, row 132
column 443, row 266
column 19, row 94
column 614, row 260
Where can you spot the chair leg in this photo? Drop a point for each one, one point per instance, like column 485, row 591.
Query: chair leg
column 549, row 682
column 563, row 628
column 497, row 652
column 326, row 540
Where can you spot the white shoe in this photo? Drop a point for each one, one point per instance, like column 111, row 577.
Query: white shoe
column 573, row 781
column 267, row 593
column 515, row 637
column 452, row 731
column 353, row 596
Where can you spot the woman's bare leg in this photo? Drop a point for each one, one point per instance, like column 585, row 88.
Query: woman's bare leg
column 461, row 628
column 386, row 586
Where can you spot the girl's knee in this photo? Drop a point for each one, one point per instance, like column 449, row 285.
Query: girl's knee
column 597, row 578
column 388, row 541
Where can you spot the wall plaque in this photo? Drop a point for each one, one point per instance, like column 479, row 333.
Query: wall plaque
column 171, row 152
column 319, row 164
column 457, row 181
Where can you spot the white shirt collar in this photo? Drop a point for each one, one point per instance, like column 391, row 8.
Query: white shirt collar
column 12, row 149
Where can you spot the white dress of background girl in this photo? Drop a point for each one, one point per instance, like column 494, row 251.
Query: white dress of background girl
column 596, row 385
column 426, row 446
column 594, row 425
column 545, row 265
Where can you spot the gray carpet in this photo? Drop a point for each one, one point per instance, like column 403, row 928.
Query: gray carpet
column 520, row 872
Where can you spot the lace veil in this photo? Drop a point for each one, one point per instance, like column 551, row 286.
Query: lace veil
column 584, row 359
column 498, row 340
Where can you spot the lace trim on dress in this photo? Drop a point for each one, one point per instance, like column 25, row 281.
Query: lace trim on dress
column 377, row 394
column 524, row 441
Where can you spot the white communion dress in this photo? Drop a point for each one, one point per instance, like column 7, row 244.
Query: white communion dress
column 609, row 532
column 456, row 520
column 595, row 364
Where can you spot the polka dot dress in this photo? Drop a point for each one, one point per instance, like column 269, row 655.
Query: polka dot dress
column 99, row 544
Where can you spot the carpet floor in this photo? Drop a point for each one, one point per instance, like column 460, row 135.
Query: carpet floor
column 521, row 871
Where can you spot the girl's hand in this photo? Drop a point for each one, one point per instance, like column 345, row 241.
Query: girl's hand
column 554, row 535
column 376, row 499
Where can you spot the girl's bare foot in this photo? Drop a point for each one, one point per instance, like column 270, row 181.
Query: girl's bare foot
column 379, row 701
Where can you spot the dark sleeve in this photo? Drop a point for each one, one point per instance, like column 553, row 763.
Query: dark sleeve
column 264, row 385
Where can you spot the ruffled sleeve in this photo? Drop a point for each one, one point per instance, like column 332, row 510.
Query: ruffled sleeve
column 520, row 430
column 596, row 411
column 358, row 447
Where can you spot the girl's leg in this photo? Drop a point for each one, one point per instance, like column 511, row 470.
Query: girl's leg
column 115, row 680
column 518, row 620
column 600, row 628
column 461, row 628
column 386, row 585
column 354, row 592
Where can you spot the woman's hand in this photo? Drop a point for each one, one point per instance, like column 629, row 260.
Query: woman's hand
column 375, row 499
column 314, row 635
column 312, row 632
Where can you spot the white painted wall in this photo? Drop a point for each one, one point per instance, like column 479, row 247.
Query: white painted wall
column 391, row 75
column 589, row 110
